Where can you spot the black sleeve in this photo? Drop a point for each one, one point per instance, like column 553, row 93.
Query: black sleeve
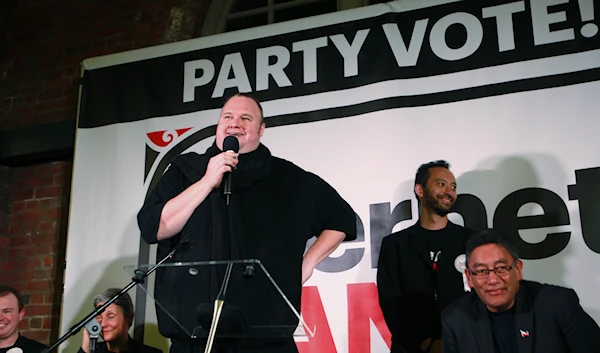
column 449, row 344
column 408, row 325
column 388, row 284
column 331, row 211
column 28, row 345
column 171, row 184
column 580, row 331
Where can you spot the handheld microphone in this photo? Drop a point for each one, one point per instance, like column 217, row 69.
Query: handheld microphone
column 230, row 143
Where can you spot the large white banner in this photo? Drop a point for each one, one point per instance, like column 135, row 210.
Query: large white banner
column 507, row 92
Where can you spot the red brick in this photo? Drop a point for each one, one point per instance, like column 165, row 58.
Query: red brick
column 51, row 191
column 39, row 286
column 58, row 167
column 7, row 266
column 32, row 204
column 36, row 298
column 38, row 310
column 47, row 262
column 18, row 206
column 19, row 241
column 15, row 229
column 43, row 274
column 49, row 323
column 49, row 297
column 59, row 179
column 11, row 276
column 28, row 276
column 35, row 323
column 50, row 203
column 32, row 216
column 45, row 227
column 3, row 241
column 41, row 169
column 53, row 213
column 33, row 263
column 29, row 228
column 33, row 183
column 42, row 249
column 21, row 252
column 23, row 194
column 45, row 238
column 46, row 181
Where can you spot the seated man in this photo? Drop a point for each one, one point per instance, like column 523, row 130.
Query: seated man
column 11, row 313
column 115, row 321
column 509, row 314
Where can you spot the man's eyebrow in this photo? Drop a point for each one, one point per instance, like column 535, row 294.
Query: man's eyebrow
column 499, row 261
column 243, row 114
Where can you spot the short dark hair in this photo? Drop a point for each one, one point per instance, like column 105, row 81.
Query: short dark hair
column 247, row 95
column 422, row 175
column 124, row 302
column 6, row 290
column 490, row 236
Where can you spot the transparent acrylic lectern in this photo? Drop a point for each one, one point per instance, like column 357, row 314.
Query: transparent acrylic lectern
column 227, row 303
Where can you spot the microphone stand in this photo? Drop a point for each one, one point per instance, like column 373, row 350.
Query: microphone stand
column 218, row 308
column 94, row 330
column 138, row 278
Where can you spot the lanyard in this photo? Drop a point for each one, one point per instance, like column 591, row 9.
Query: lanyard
column 435, row 258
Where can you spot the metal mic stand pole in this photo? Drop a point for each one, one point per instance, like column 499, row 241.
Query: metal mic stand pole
column 94, row 329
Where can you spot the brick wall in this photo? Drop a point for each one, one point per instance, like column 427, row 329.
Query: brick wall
column 39, row 77
column 47, row 40
column 36, row 237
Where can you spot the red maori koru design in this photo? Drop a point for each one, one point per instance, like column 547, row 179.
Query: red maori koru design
column 163, row 138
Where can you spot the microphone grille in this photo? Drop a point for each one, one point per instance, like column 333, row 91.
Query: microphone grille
column 231, row 143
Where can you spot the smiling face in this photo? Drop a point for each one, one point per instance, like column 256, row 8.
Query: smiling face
column 10, row 316
column 241, row 117
column 115, row 325
column 439, row 192
column 497, row 292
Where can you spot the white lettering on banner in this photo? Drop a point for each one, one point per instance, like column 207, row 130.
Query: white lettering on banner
column 437, row 37
column 264, row 69
column 406, row 56
column 309, row 56
column 586, row 10
column 504, row 22
column 240, row 77
column 272, row 61
column 191, row 82
column 350, row 51
column 541, row 19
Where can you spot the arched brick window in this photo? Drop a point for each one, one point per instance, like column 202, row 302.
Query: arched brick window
column 231, row 15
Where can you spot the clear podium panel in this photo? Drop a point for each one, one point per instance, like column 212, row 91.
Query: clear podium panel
column 209, row 300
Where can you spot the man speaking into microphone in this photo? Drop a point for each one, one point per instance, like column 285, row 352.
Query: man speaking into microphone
column 268, row 211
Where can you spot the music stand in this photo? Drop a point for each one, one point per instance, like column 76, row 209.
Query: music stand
column 235, row 304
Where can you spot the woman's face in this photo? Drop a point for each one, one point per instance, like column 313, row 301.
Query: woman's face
column 115, row 325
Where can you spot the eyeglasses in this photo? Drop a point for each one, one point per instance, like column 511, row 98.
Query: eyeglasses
column 499, row 271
